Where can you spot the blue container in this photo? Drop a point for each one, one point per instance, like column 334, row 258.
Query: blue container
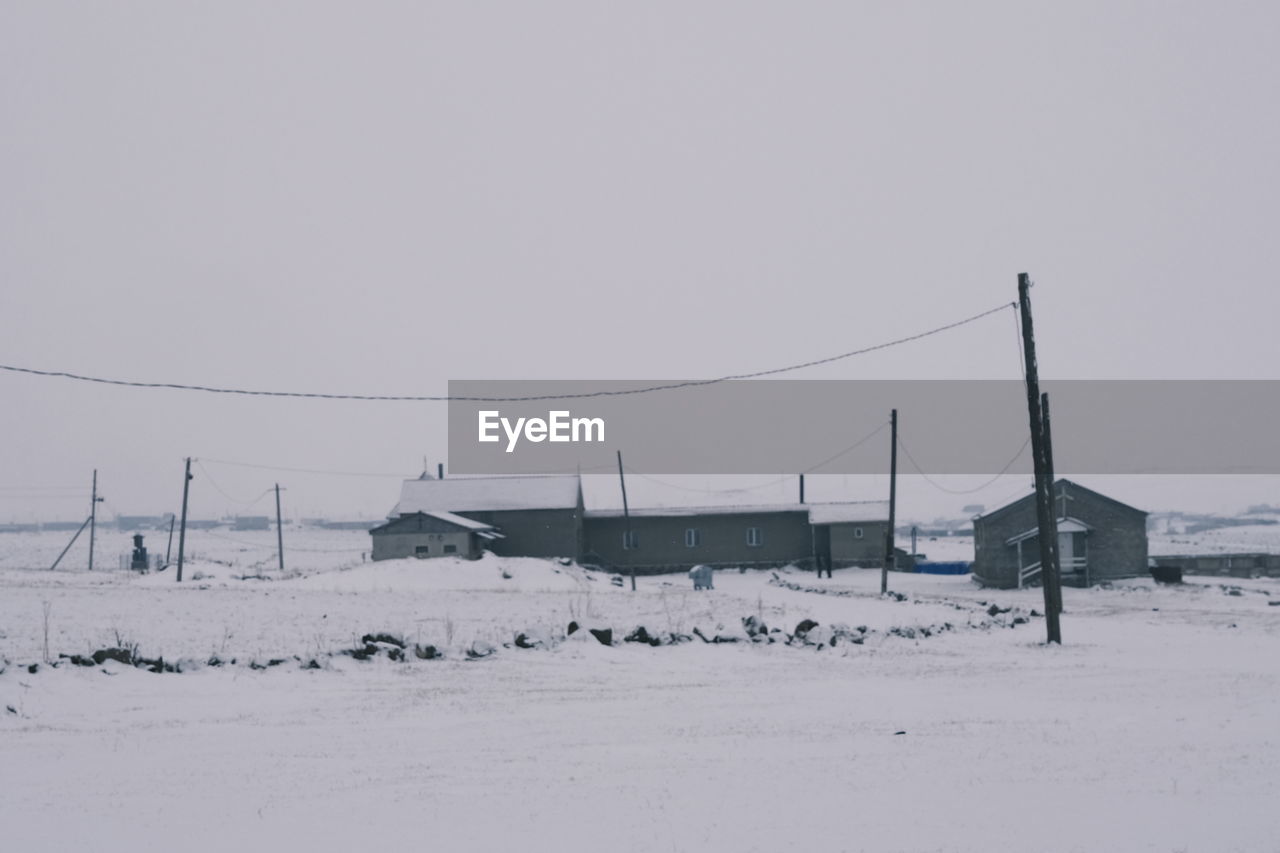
column 957, row 568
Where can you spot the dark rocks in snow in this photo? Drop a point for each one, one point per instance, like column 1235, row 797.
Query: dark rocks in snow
column 523, row 641
column 311, row 664
column 389, row 639
column 996, row 610
column 603, row 635
column 119, row 655
column 78, row 660
column 573, row 626
column 896, row 596
column 480, row 649
column 697, row 632
column 754, row 626
column 34, row 668
column 1273, row 603
column 804, row 628
column 641, row 635
column 427, row 652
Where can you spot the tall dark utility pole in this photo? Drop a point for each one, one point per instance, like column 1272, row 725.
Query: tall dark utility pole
column 1047, row 527
column 279, row 529
column 626, row 515
column 93, row 516
column 182, row 531
column 1053, row 513
column 890, row 557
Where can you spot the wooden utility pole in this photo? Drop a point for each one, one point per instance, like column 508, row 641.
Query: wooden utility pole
column 182, row 531
column 1047, row 529
column 93, row 516
column 1048, row 474
column 626, row 515
column 279, row 529
column 802, row 488
column 439, row 470
column 890, row 558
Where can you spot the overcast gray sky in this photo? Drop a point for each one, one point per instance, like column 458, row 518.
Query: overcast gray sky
column 375, row 198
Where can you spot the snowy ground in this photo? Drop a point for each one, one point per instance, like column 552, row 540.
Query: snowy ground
column 1248, row 538
column 1152, row 728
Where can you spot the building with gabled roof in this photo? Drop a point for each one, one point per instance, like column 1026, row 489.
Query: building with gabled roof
column 1099, row 539
column 431, row 534
column 537, row 516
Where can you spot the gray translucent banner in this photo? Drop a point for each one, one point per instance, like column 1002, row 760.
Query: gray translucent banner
column 841, row 426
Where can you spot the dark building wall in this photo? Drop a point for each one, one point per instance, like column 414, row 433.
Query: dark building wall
column 850, row 549
column 534, row 532
column 1115, row 547
column 404, row 536
column 787, row 538
column 1228, row 565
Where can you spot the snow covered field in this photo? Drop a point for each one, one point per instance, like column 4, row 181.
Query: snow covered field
column 948, row 727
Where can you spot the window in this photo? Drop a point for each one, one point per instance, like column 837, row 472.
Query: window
column 692, row 537
column 630, row 541
column 422, row 550
column 755, row 537
column 451, row 549
column 857, row 533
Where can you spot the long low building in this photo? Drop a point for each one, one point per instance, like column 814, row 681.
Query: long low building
column 666, row 539
column 544, row 517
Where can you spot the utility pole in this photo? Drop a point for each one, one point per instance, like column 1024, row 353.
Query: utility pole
column 1047, row 528
column 890, row 558
column 802, row 488
column 182, row 532
column 1048, row 475
column 279, row 529
column 439, row 470
column 93, row 516
column 168, row 548
column 626, row 515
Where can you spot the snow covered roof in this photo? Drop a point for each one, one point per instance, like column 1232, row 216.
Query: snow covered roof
column 824, row 513
column 843, row 513
column 478, row 494
column 1066, row 524
column 460, row 520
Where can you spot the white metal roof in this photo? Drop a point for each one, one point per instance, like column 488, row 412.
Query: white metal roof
column 460, row 520
column 478, row 494
column 825, row 513
column 1066, row 524
column 843, row 513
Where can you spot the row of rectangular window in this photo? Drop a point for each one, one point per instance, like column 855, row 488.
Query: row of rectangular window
column 693, row 538
column 422, row 550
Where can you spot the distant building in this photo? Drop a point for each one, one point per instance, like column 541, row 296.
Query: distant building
column 251, row 522
column 537, row 516
column 1099, row 539
column 431, row 534
column 143, row 522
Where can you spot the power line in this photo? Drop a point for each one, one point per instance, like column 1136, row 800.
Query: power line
column 943, row 488
column 400, row 476
column 220, row 490
column 773, row 482
column 445, row 398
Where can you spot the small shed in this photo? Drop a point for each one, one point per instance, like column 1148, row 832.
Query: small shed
column 1099, row 539
column 431, row 534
